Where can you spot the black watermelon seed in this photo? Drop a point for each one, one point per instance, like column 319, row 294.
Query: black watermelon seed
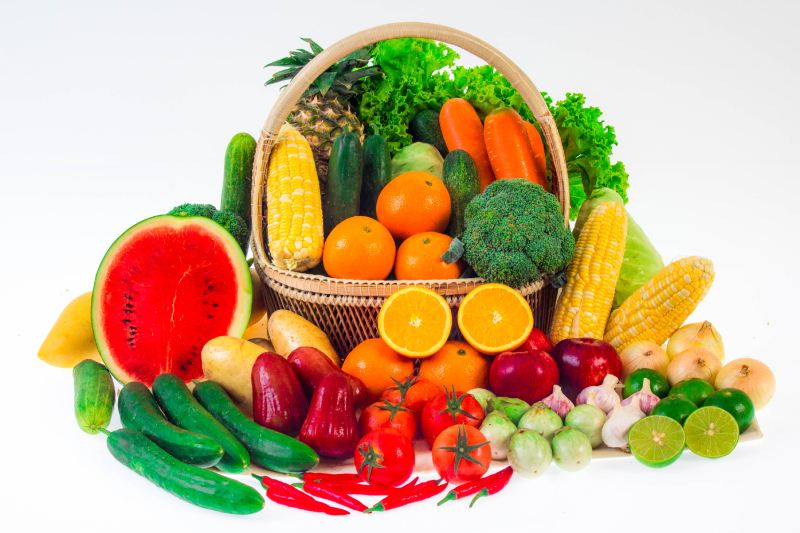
column 129, row 306
column 211, row 287
column 128, row 296
column 215, row 305
column 210, row 316
column 126, row 321
column 127, row 310
column 183, row 368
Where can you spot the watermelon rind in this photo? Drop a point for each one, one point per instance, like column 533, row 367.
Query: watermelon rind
column 244, row 283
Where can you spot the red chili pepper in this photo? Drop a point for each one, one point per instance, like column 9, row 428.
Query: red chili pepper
column 420, row 492
column 284, row 498
column 280, row 486
column 355, row 488
column 494, row 486
column 328, row 492
column 314, row 476
column 468, row 489
column 410, row 484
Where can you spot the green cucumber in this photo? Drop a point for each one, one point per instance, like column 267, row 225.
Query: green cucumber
column 270, row 449
column 343, row 192
column 181, row 408
column 94, row 396
column 377, row 173
column 460, row 176
column 237, row 179
column 138, row 411
column 195, row 485
column 425, row 128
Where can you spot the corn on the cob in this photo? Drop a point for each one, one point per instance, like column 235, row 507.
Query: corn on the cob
column 294, row 207
column 585, row 302
column 659, row 307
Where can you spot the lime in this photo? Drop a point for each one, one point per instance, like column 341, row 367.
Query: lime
column 656, row 441
column 711, row 432
column 695, row 390
column 635, row 381
column 737, row 403
column 677, row 408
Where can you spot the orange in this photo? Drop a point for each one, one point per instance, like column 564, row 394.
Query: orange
column 415, row 322
column 495, row 318
column 413, row 203
column 374, row 363
column 420, row 257
column 359, row 248
column 457, row 365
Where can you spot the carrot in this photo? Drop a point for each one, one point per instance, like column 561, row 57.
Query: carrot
column 537, row 146
column 508, row 146
column 462, row 129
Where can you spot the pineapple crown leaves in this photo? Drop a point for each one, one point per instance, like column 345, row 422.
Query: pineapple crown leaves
column 454, row 405
column 393, row 408
column 463, row 449
column 371, row 458
column 339, row 81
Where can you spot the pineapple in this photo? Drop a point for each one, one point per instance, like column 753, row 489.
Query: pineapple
column 328, row 107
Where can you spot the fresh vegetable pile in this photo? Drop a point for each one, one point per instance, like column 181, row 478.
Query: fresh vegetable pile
column 396, row 162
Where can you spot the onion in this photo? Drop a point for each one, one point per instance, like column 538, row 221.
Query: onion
column 643, row 354
column 694, row 363
column 701, row 334
column 752, row 377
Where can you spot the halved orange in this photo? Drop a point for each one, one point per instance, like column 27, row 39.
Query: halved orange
column 495, row 318
column 415, row 322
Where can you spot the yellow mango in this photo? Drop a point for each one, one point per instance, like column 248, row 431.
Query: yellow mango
column 71, row 340
column 258, row 311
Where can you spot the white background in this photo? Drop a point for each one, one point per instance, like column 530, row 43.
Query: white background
column 111, row 112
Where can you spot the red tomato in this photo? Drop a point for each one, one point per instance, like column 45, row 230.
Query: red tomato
column 447, row 410
column 415, row 392
column 383, row 414
column 461, row 453
column 385, row 457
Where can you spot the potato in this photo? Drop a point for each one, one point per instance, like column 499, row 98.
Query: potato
column 288, row 331
column 229, row 361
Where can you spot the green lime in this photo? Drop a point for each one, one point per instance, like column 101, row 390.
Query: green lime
column 737, row 403
column 695, row 390
column 677, row 408
column 656, row 441
column 635, row 381
column 711, row 432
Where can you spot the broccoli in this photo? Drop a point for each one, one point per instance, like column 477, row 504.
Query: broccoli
column 193, row 210
column 233, row 223
column 514, row 232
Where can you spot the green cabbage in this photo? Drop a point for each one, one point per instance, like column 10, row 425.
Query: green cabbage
column 641, row 260
column 418, row 157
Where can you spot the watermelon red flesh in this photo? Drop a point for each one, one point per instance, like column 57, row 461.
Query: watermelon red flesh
column 165, row 288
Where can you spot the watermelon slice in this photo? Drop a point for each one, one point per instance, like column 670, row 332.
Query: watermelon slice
column 166, row 287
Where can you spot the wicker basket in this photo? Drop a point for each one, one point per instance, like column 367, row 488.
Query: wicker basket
column 347, row 310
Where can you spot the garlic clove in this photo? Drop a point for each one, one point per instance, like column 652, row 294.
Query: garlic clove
column 558, row 402
column 606, row 396
column 620, row 421
column 647, row 400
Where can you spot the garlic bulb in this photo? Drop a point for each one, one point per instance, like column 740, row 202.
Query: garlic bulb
column 605, row 395
column 647, row 400
column 701, row 334
column 643, row 354
column 694, row 363
column 558, row 402
column 750, row 376
column 620, row 421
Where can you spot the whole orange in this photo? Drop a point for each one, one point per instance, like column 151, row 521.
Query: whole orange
column 413, row 203
column 374, row 363
column 359, row 248
column 457, row 365
column 420, row 257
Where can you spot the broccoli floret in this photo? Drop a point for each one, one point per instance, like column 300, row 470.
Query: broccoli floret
column 194, row 210
column 235, row 225
column 515, row 233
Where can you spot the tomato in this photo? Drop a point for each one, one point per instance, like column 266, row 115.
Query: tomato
column 461, row 453
column 385, row 457
column 388, row 415
column 447, row 410
column 415, row 392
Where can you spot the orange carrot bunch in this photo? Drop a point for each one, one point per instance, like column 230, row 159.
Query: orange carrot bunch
column 509, row 147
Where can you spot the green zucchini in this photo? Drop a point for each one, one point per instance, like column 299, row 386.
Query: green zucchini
column 343, row 192
column 460, row 176
column 180, row 408
column 138, row 411
column 195, row 485
column 425, row 128
column 270, row 449
column 237, row 179
column 377, row 173
column 94, row 396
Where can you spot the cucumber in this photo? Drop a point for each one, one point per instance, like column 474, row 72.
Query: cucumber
column 377, row 173
column 460, row 176
column 182, row 409
column 94, row 396
column 138, row 411
column 195, row 485
column 270, row 449
column 343, row 192
column 237, row 179
column 425, row 128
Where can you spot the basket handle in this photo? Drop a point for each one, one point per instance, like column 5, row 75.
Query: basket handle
column 421, row 30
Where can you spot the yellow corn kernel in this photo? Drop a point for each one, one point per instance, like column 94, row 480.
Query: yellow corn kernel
column 585, row 301
column 659, row 307
column 294, row 206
